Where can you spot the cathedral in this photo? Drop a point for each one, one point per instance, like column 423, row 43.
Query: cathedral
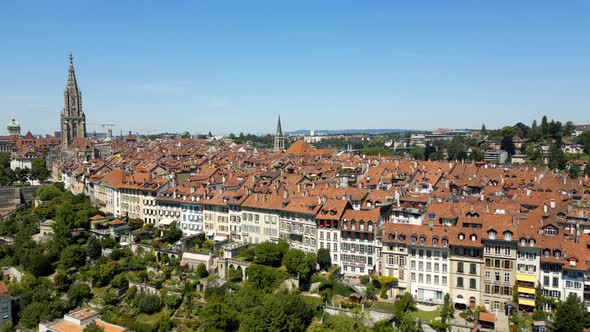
column 73, row 120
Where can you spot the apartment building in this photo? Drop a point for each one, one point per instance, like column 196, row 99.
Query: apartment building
column 358, row 241
column 429, row 263
column 500, row 264
column 260, row 218
column 328, row 228
column 297, row 224
column 394, row 257
column 466, row 266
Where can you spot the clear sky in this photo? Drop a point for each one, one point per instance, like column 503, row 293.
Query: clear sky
column 233, row 66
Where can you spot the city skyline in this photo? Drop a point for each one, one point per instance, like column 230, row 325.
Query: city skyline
column 230, row 68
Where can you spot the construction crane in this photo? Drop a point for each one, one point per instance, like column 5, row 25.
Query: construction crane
column 104, row 126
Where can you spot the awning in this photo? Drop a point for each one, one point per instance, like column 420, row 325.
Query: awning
column 527, row 302
column 460, row 301
column 166, row 221
column 220, row 238
column 526, row 290
column 210, row 233
column 526, row 277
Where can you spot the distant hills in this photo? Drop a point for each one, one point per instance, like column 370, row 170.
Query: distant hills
column 348, row 131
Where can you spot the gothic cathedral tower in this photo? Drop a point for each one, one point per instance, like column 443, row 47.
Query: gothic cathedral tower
column 73, row 120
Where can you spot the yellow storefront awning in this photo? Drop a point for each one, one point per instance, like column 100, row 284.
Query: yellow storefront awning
column 526, row 277
column 526, row 290
column 527, row 302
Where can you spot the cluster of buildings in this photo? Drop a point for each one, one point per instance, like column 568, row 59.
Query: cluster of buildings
column 470, row 230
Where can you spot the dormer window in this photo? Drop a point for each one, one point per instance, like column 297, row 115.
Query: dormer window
column 422, row 240
column 572, row 262
column 445, row 243
column 492, row 235
column 523, row 242
column 353, row 225
column 414, row 239
column 473, row 237
column 531, row 242
column 370, row 226
column 507, row 236
column 547, row 252
column 551, row 231
column 402, row 237
column 556, row 253
column 362, row 225
column 461, row 236
column 434, row 242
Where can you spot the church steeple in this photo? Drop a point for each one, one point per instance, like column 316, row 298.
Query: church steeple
column 279, row 140
column 279, row 129
column 73, row 120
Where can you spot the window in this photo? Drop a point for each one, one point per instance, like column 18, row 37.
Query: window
column 546, row 281
column 555, row 282
column 420, row 278
column 444, row 268
column 428, row 279
column 472, row 268
column 413, row 265
column 472, row 283
column 506, row 277
column 497, row 276
column 492, row 235
column 488, row 275
column 436, row 267
column 460, row 282
column 507, row 236
column 444, row 281
column 402, row 261
column 460, row 267
column 413, row 276
column 436, row 280
column 428, row 267
column 420, row 266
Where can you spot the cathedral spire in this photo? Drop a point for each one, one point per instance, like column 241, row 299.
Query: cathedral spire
column 72, row 84
column 279, row 129
column 73, row 120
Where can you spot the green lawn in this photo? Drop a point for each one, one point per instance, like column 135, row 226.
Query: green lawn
column 427, row 315
column 383, row 306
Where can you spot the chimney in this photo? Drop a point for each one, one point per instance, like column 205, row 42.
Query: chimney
column 552, row 203
column 256, row 197
column 285, row 194
column 544, row 207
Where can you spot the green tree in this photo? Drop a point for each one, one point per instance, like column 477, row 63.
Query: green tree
column 202, row 271
column 456, row 149
column 287, row 312
column 417, row 152
column 476, row 154
column 405, row 304
column 383, row 326
column 93, row 248
column 172, row 235
column 92, row 327
column 268, row 253
column 39, row 169
column 584, row 140
column 508, row 145
column 324, row 259
column 265, row 277
column 148, row 303
column 447, row 309
column 39, row 265
column 78, row 293
column 544, row 126
column 556, row 157
column 370, row 293
column 574, row 170
column 72, row 256
column 570, row 315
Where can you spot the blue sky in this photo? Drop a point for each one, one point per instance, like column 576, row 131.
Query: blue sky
column 233, row 66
